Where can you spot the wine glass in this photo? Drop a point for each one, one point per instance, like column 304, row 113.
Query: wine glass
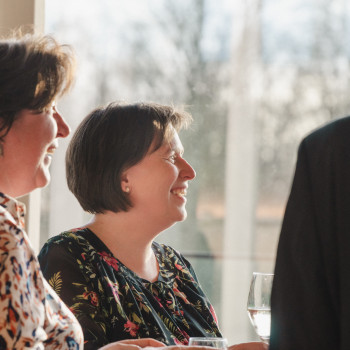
column 259, row 304
column 218, row 343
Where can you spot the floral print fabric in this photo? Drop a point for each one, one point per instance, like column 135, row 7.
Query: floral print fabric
column 31, row 314
column 112, row 303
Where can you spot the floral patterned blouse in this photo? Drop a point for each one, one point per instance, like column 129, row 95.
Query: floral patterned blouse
column 31, row 314
column 112, row 303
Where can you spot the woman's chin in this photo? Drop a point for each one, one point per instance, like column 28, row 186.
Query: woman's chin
column 42, row 179
column 182, row 215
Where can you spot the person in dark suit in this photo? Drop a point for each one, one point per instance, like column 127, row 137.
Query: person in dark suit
column 311, row 291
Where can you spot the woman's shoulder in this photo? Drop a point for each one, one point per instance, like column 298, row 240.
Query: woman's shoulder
column 67, row 237
column 67, row 242
column 12, row 234
column 7, row 222
column 12, row 213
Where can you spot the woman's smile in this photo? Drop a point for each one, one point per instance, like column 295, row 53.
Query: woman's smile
column 180, row 193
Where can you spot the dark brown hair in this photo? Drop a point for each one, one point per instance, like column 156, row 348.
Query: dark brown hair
column 109, row 141
column 34, row 70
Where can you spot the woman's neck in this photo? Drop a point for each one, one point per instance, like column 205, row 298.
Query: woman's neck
column 129, row 240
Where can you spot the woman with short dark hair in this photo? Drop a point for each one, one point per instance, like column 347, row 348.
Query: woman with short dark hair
column 125, row 165
column 111, row 140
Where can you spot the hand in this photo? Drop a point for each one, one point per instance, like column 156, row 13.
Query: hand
column 133, row 344
column 250, row 346
column 150, row 344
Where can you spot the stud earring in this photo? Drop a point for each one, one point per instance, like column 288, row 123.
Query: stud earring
column 127, row 189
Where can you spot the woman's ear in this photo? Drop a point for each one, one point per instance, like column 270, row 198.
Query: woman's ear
column 125, row 185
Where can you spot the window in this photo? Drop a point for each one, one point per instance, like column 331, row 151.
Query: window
column 257, row 75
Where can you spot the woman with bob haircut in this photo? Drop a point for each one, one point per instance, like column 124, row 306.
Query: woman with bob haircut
column 35, row 71
column 125, row 165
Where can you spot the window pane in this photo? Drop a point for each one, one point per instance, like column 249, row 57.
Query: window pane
column 257, row 75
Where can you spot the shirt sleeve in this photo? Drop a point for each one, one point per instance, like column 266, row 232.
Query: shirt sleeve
column 62, row 267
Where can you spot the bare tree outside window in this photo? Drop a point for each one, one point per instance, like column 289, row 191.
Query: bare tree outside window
column 257, row 75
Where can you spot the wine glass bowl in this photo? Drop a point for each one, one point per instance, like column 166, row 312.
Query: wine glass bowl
column 218, row 343
column 259, row 304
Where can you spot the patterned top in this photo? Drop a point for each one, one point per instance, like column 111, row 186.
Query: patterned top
column 31, row 314
column 112, row 303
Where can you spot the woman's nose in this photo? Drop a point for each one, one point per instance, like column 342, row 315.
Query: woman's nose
column 187, row 171
column 63, row 129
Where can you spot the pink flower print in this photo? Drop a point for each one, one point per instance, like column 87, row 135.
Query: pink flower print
column 131, row 327
column 177, row 341
column 186, row 336
column 180, row 295
column 184, row 341
column 160, row 304
column 110, row 260
column 179, row 313
column 92, row 296
column 115, row 290
column 212, row 311
column 179, row 267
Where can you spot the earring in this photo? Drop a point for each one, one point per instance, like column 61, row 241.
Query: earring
column 127, row 189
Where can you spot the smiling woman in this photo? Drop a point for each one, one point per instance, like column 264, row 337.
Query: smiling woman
column 34, row 70
column 30, row 142
column 125, row 165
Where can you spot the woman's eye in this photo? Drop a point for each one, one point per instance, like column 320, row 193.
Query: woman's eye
column 49, row 109
column 172, row 158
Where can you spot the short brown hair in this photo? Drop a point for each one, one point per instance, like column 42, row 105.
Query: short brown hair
column 34, row 70
column 109, row 141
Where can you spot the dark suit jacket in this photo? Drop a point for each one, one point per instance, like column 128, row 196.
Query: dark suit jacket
column 311, row 292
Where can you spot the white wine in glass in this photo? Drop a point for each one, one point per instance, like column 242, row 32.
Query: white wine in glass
column 259, row 304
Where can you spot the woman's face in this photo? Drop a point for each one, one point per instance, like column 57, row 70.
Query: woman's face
column 158, row 184
column 28, row 148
